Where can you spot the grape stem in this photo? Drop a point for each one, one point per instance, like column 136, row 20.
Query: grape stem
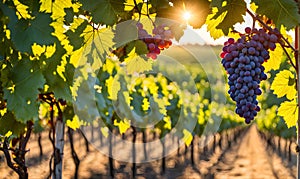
column 288, row 56
column 136, row 7
column 269, row 28
column 281, row 37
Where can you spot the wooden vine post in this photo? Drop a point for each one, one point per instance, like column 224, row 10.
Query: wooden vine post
column 297, row 56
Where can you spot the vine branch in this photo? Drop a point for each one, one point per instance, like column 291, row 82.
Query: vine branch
column 269, row 28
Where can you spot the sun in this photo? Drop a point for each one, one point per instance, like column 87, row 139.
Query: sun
column 186, row 15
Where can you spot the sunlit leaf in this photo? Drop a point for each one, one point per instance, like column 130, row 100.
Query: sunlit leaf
column 137, row 64
column 130, row 4
column 275, row 60
column 284, row 84
column 289, row 111
column 105, row 131
column 187, row 137
column 22, row 10
column 123, row 125
column 55, row 7
column 230, row 14
column 75, row 123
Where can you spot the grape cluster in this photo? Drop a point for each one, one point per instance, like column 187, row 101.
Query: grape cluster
column 156, row 42
column 243, row 59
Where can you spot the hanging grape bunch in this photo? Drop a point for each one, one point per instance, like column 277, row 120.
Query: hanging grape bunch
column 156, row 42
column 243, row 59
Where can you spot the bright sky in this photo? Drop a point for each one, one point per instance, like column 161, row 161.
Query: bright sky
column 202, row 36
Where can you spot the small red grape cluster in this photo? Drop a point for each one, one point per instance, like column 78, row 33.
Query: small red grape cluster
column 156, row 42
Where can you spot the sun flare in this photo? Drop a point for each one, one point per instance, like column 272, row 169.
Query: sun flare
column 186, row 15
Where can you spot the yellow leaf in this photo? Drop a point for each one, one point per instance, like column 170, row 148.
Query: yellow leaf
column 253, row 7
column 3, row 111
column 168, row 124
column 129, row 5
column 275, row 60
column 55, row 7
column 109, row 66
column 284, row 84
column 50, row 50
column 146, row 104
column 37, row 50
column 75, row 123
column 113, row 87
column 21, row 10
column 213, row 23
column 104, row 131
column 75, row 56
column 187, row 137
column 161, row 103
column 136, row 64
column 123, row 125
column 289, row 111
column 8, row 134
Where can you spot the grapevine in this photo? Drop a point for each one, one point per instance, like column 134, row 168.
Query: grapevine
column 43, row 43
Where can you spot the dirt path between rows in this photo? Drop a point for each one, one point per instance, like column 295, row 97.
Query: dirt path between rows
column 248, row 158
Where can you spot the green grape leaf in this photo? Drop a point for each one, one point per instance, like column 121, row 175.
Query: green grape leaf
column 216, row 3
column 231, row 14
column 58, row 74
column 69, row 15
column 104, row 11
column 22, row 91
column 284, row 84
column 8, row 122
column 275, row 60
column 282, row 12
column 123, row 37
column 289, row 111
column 26, row 32
column 74, row 36
column 139, row 46
column 85, row 105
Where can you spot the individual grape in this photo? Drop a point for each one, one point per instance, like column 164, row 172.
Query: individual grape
column 248, row 30
column 139, row 26
column 242, row 60
column 151, row 46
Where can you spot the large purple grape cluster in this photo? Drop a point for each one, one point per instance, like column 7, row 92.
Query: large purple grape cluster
column 243, row 59
column 156, row 42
